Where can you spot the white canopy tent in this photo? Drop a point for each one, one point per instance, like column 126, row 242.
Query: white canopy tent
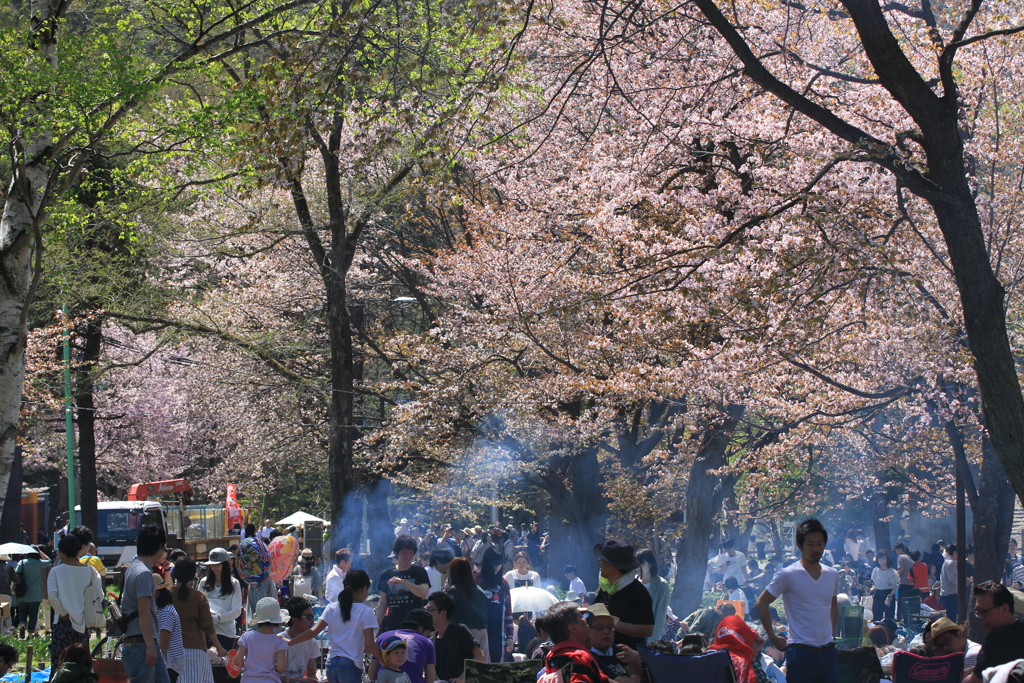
column 299, row 518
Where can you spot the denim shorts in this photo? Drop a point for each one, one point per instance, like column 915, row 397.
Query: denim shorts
column 343, row 670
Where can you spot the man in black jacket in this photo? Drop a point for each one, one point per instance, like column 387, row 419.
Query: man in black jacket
column 625, row 597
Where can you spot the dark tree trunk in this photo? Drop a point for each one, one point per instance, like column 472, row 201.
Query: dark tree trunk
column 943, row 184
column 879, row 514
column 777, row 543
column 579, row 513
column 701, row 511
column 10, row 516
column 381, row 533
column 92, row 342
column 342, row 436
column 993, row 517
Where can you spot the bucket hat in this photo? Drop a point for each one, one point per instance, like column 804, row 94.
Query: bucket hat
column 618, row 554
column 268, row 611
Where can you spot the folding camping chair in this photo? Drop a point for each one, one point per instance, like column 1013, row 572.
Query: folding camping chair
column 714, row 666
column 505, row 672
column 911, row 668
column 859, row 665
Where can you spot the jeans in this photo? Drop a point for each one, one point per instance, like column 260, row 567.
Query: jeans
column 343, row 670
column 811, row 667
column 28, row 614
column 133, row 656
column 949, row 603
column 878, row 607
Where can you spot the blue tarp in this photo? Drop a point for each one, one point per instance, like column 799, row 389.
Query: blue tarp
column 37, row 677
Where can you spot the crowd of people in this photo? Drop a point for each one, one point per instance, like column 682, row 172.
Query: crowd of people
column 445, row 600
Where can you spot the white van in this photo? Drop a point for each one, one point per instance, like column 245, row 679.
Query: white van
column 118, row 524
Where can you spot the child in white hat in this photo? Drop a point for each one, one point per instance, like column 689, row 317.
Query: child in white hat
column 261, row 654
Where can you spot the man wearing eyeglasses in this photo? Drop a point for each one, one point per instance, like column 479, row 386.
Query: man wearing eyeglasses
column 602, row 635
column 1004, row 641
column 301, row 664
column 571, row 634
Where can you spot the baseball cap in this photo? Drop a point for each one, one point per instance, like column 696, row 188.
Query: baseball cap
column 217, row 555
column 391, row 642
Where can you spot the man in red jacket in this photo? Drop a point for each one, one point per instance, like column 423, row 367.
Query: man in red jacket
column 567, row 626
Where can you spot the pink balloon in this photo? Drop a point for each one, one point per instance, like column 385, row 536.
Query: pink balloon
column 283, row 550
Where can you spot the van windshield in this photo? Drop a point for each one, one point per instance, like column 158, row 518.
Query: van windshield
column 121, row 526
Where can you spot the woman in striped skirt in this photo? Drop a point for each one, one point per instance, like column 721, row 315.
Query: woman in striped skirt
column 196, row 625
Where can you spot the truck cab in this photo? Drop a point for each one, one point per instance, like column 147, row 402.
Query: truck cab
column 118, row 524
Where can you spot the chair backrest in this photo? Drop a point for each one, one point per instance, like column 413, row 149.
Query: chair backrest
column 911, row 668
column 859, row 665
column 851, row 627
column 714, row 666
column 508, row 672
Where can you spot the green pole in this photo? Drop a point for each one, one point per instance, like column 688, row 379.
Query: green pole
column 69, row 426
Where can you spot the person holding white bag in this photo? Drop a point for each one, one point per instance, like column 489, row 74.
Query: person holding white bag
column 75, row 592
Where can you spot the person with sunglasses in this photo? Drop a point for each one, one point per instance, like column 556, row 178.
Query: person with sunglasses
column 301, row 663
column 421, row 658
column 1004, row 639
column 453, row 643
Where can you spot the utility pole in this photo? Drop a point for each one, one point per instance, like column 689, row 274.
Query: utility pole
column 69, row 426
column 961, row 547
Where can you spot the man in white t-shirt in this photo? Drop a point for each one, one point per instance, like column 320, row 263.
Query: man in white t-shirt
column 732, row 563
column 575, row 582
column 265, row 531
column 333, row 584
column 808, row 590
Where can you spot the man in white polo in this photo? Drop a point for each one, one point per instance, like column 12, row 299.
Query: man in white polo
column 808, row 590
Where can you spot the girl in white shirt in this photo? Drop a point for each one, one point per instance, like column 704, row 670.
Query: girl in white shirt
column 522, row 575
column 884, row 580
column 225, row 596
column 351, row 626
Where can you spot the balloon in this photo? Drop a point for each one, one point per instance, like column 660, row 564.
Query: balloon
column 283, row 550
column 253, row 561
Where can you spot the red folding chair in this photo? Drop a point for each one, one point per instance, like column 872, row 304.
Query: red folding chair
column 910, row 668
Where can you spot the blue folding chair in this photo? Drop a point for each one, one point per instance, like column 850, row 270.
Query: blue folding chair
column 911, row 668
column 714, row 666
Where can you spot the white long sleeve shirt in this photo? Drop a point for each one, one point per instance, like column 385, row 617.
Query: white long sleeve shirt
column 71, row 590
column 225, row 608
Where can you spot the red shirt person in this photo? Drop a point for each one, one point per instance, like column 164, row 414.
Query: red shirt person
column 739, row 640
column 566, row 624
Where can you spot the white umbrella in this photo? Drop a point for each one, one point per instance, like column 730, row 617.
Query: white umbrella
column 17, row 549
column 531, row 599
column 297, row 518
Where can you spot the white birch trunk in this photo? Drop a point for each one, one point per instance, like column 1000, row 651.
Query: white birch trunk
column 19, row 226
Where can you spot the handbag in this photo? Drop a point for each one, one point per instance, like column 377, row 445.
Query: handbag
column 21, row 585
column 94, row 617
